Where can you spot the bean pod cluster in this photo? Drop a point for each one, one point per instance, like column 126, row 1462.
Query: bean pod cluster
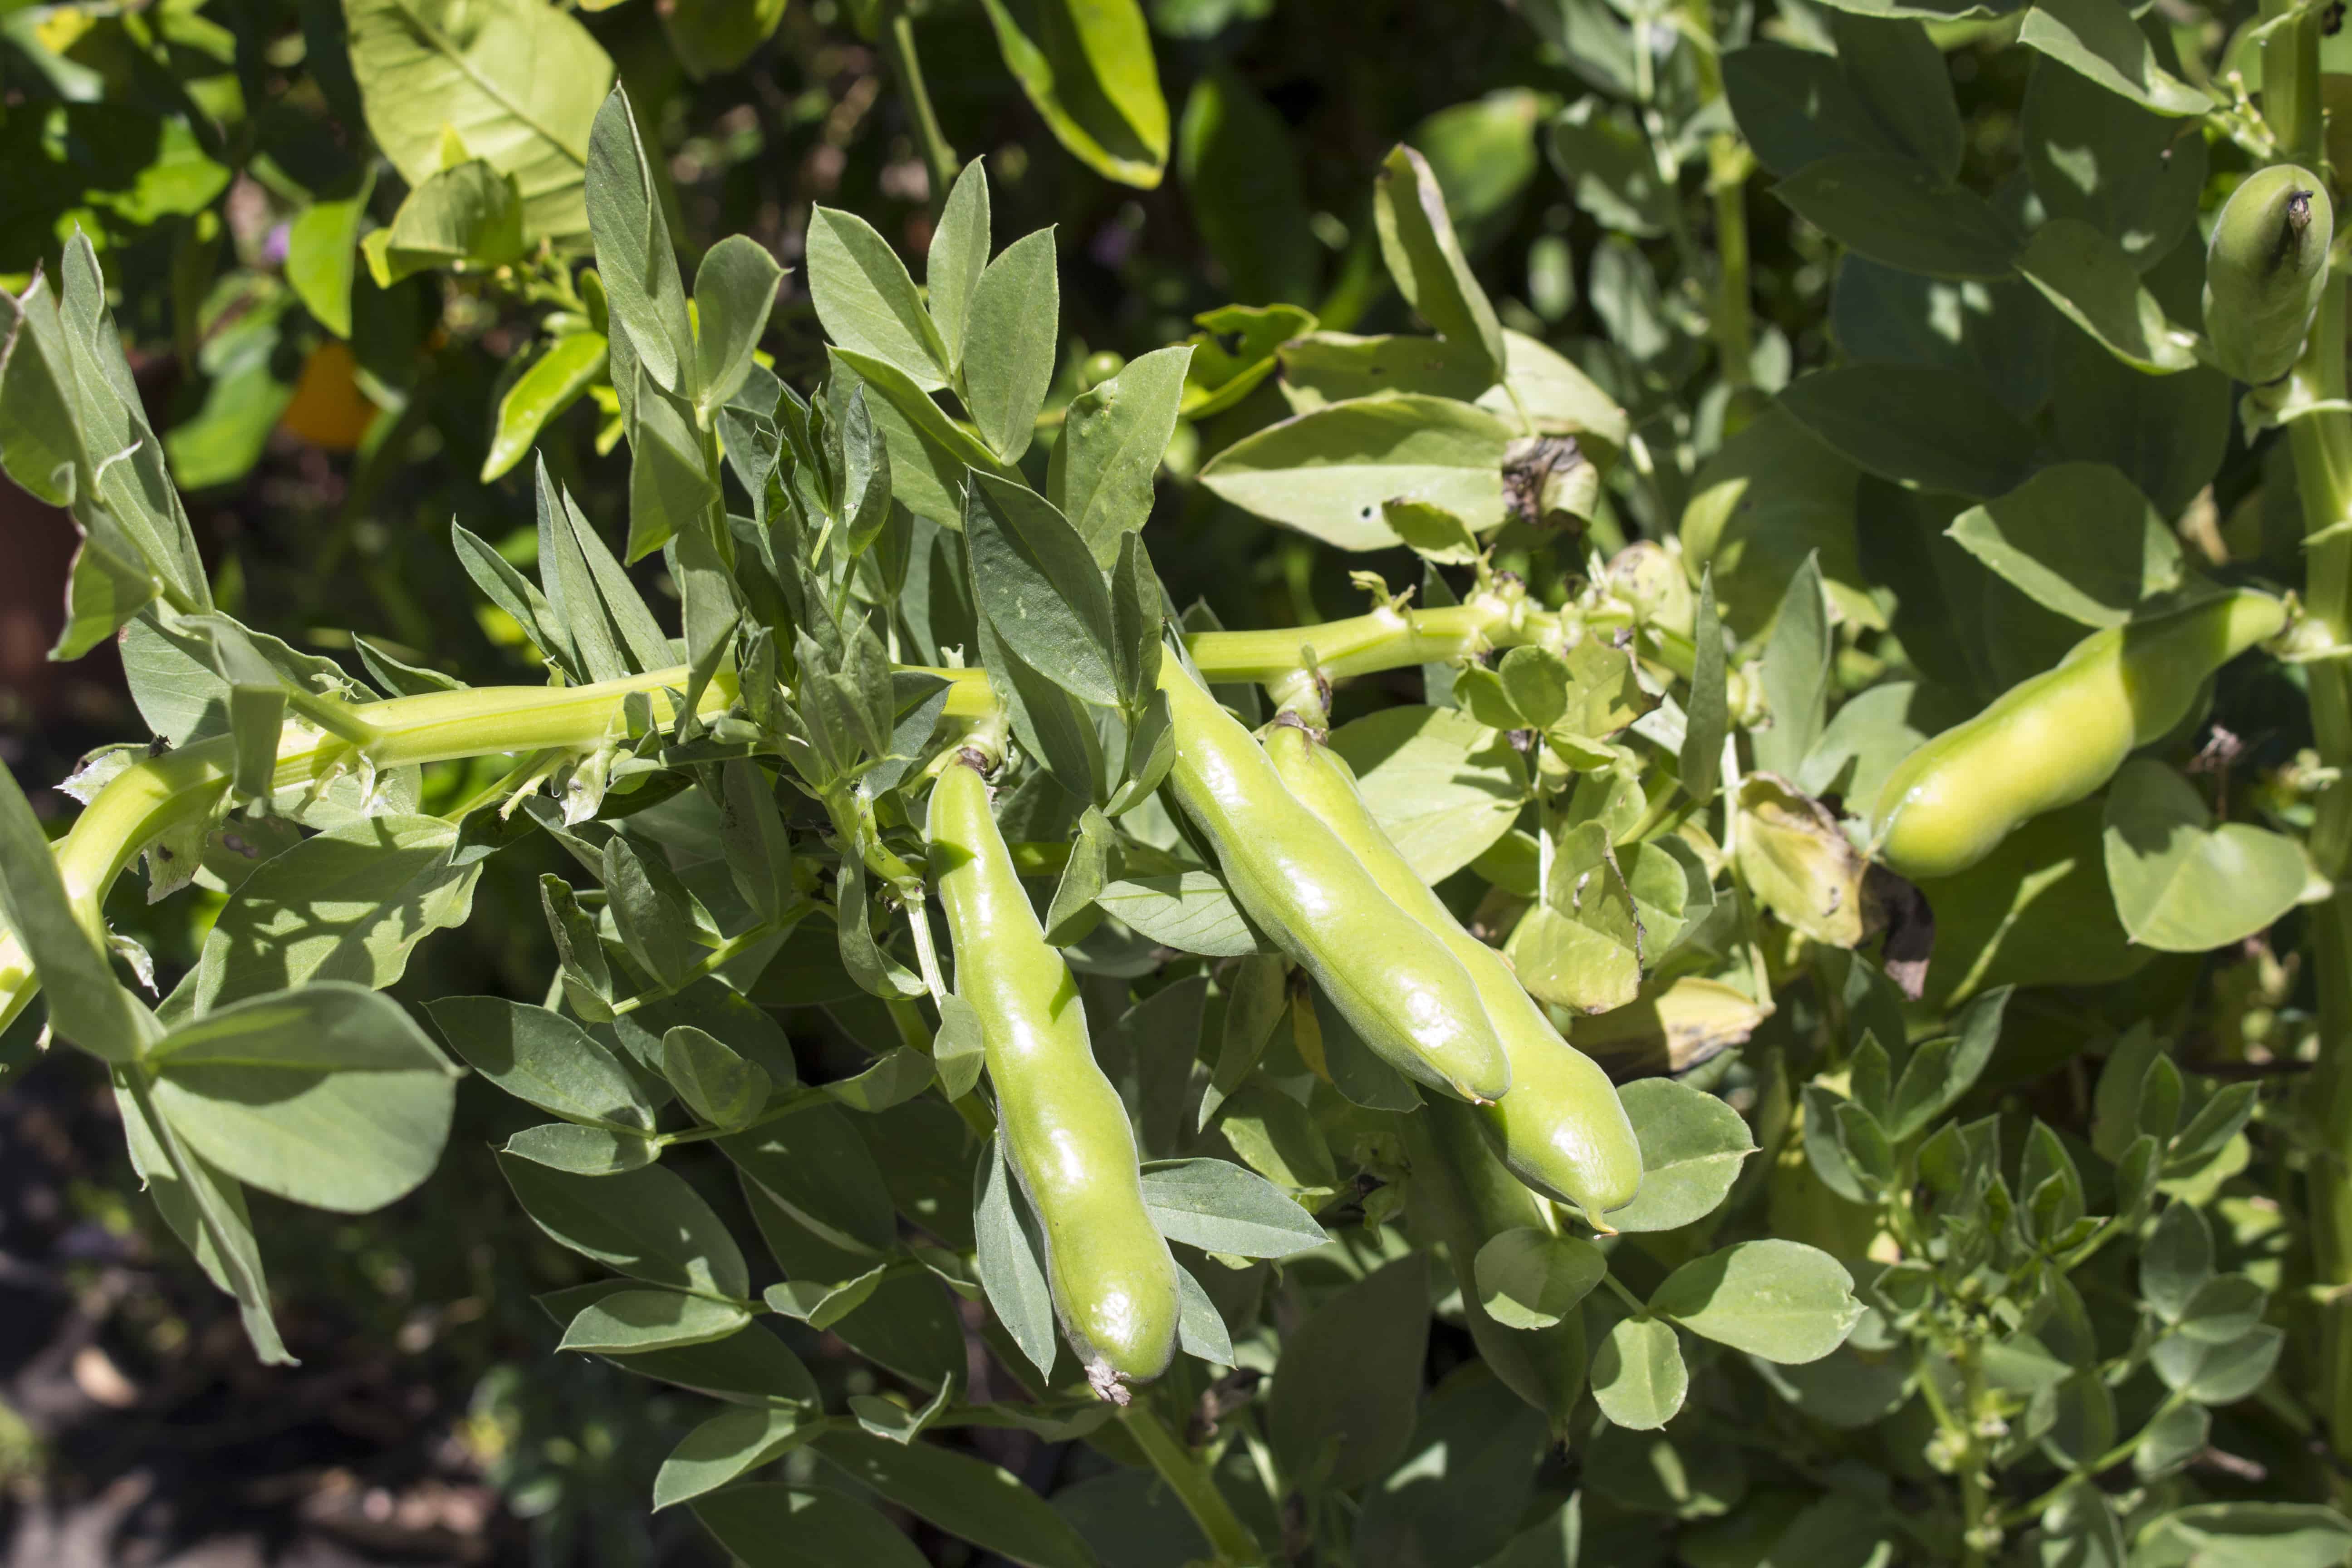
column 1515, row 1110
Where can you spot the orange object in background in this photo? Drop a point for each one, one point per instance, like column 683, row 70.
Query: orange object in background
column 328, row 410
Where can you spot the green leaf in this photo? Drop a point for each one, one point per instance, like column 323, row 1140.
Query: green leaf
column 1582, row 946
column 1086, row 65
column 2117, row 167
column 1012, row 334
column 729, row 1444
column 2176, row 1261
column 556, row 380
column 821, row 1303
column 895, row 1079
column 2217, row 1373
column 74, row 432
column 1037, row 583
column 206, row 1209
column 517, row 82
column 734, row 290
column 1349, row 1377
column 866, row 301
column 712, row 1081
column 2064, row 540
column 328, row 1094
column 2089, row 276
column 710, row 37
column 2244, row 1535
column 350, row 903
column 544, row 1059
column 1328, row 473
column 2101, row 40
column 1191, row 911
column 1274, row 1133
column 672, row 489
column 584, row 1151
column 1610, row 169
column 1706, row 703
column 87, row 1006
column 1782, row 1300
column 2224, row 1309
column 1011, row 1258
column 1899, row 73
column 2165, row 433
column 322, row 247
column 1897, row 211
column 967, row 1497
column 1200, row 1330
column 633, row 257
column 1915, row 425
column 931, row 456
column 958, row 255
column 1693, row 1148
column 1217, row 1207
column 2079, row 1530
column 468, row 215
column 1072, row 913
column 1418, row 242
column 1798, row 106
column 1102, row 471
column 1323, row 368
column 790, row 1527
column 653, row 909
column 1240, row 170
column 1234, row 352
column 1530, row 1278
column 1796, row 672
column 630, row 1321
column 1638, row 1376
column 1444, row 787
column 2182, row 883
column 588, row 594
column 816, row 1167
column 647, row 1224
column 1467, row 1476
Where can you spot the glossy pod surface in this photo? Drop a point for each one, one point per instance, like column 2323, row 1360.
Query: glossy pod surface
column 1113, row 1278
column 2265, row 270
column 1393, row 981
column 1560, row 1129
column 2051, row 741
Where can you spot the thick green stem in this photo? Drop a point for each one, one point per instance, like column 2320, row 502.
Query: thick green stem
column 2322, row 449
column 179, row 788
column 1229, row 1537
column 184, row 787
column 939, row 157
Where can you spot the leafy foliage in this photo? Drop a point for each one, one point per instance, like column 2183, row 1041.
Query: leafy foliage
column 1967, row 1230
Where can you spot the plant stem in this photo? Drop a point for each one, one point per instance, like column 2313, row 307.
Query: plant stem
column 718, row 957
column 184, row 787
column 2321, row 445
column 1229, row 1537
column 939, row 157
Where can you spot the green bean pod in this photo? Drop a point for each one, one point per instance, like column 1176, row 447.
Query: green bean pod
column 2265, row 270
column 1560, row 1129
column 1394, row 983
column 1462, row 1195
column 2051, row 741
column 1113, row 1278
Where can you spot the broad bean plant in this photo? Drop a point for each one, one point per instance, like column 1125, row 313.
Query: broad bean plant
column 1779, row 993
